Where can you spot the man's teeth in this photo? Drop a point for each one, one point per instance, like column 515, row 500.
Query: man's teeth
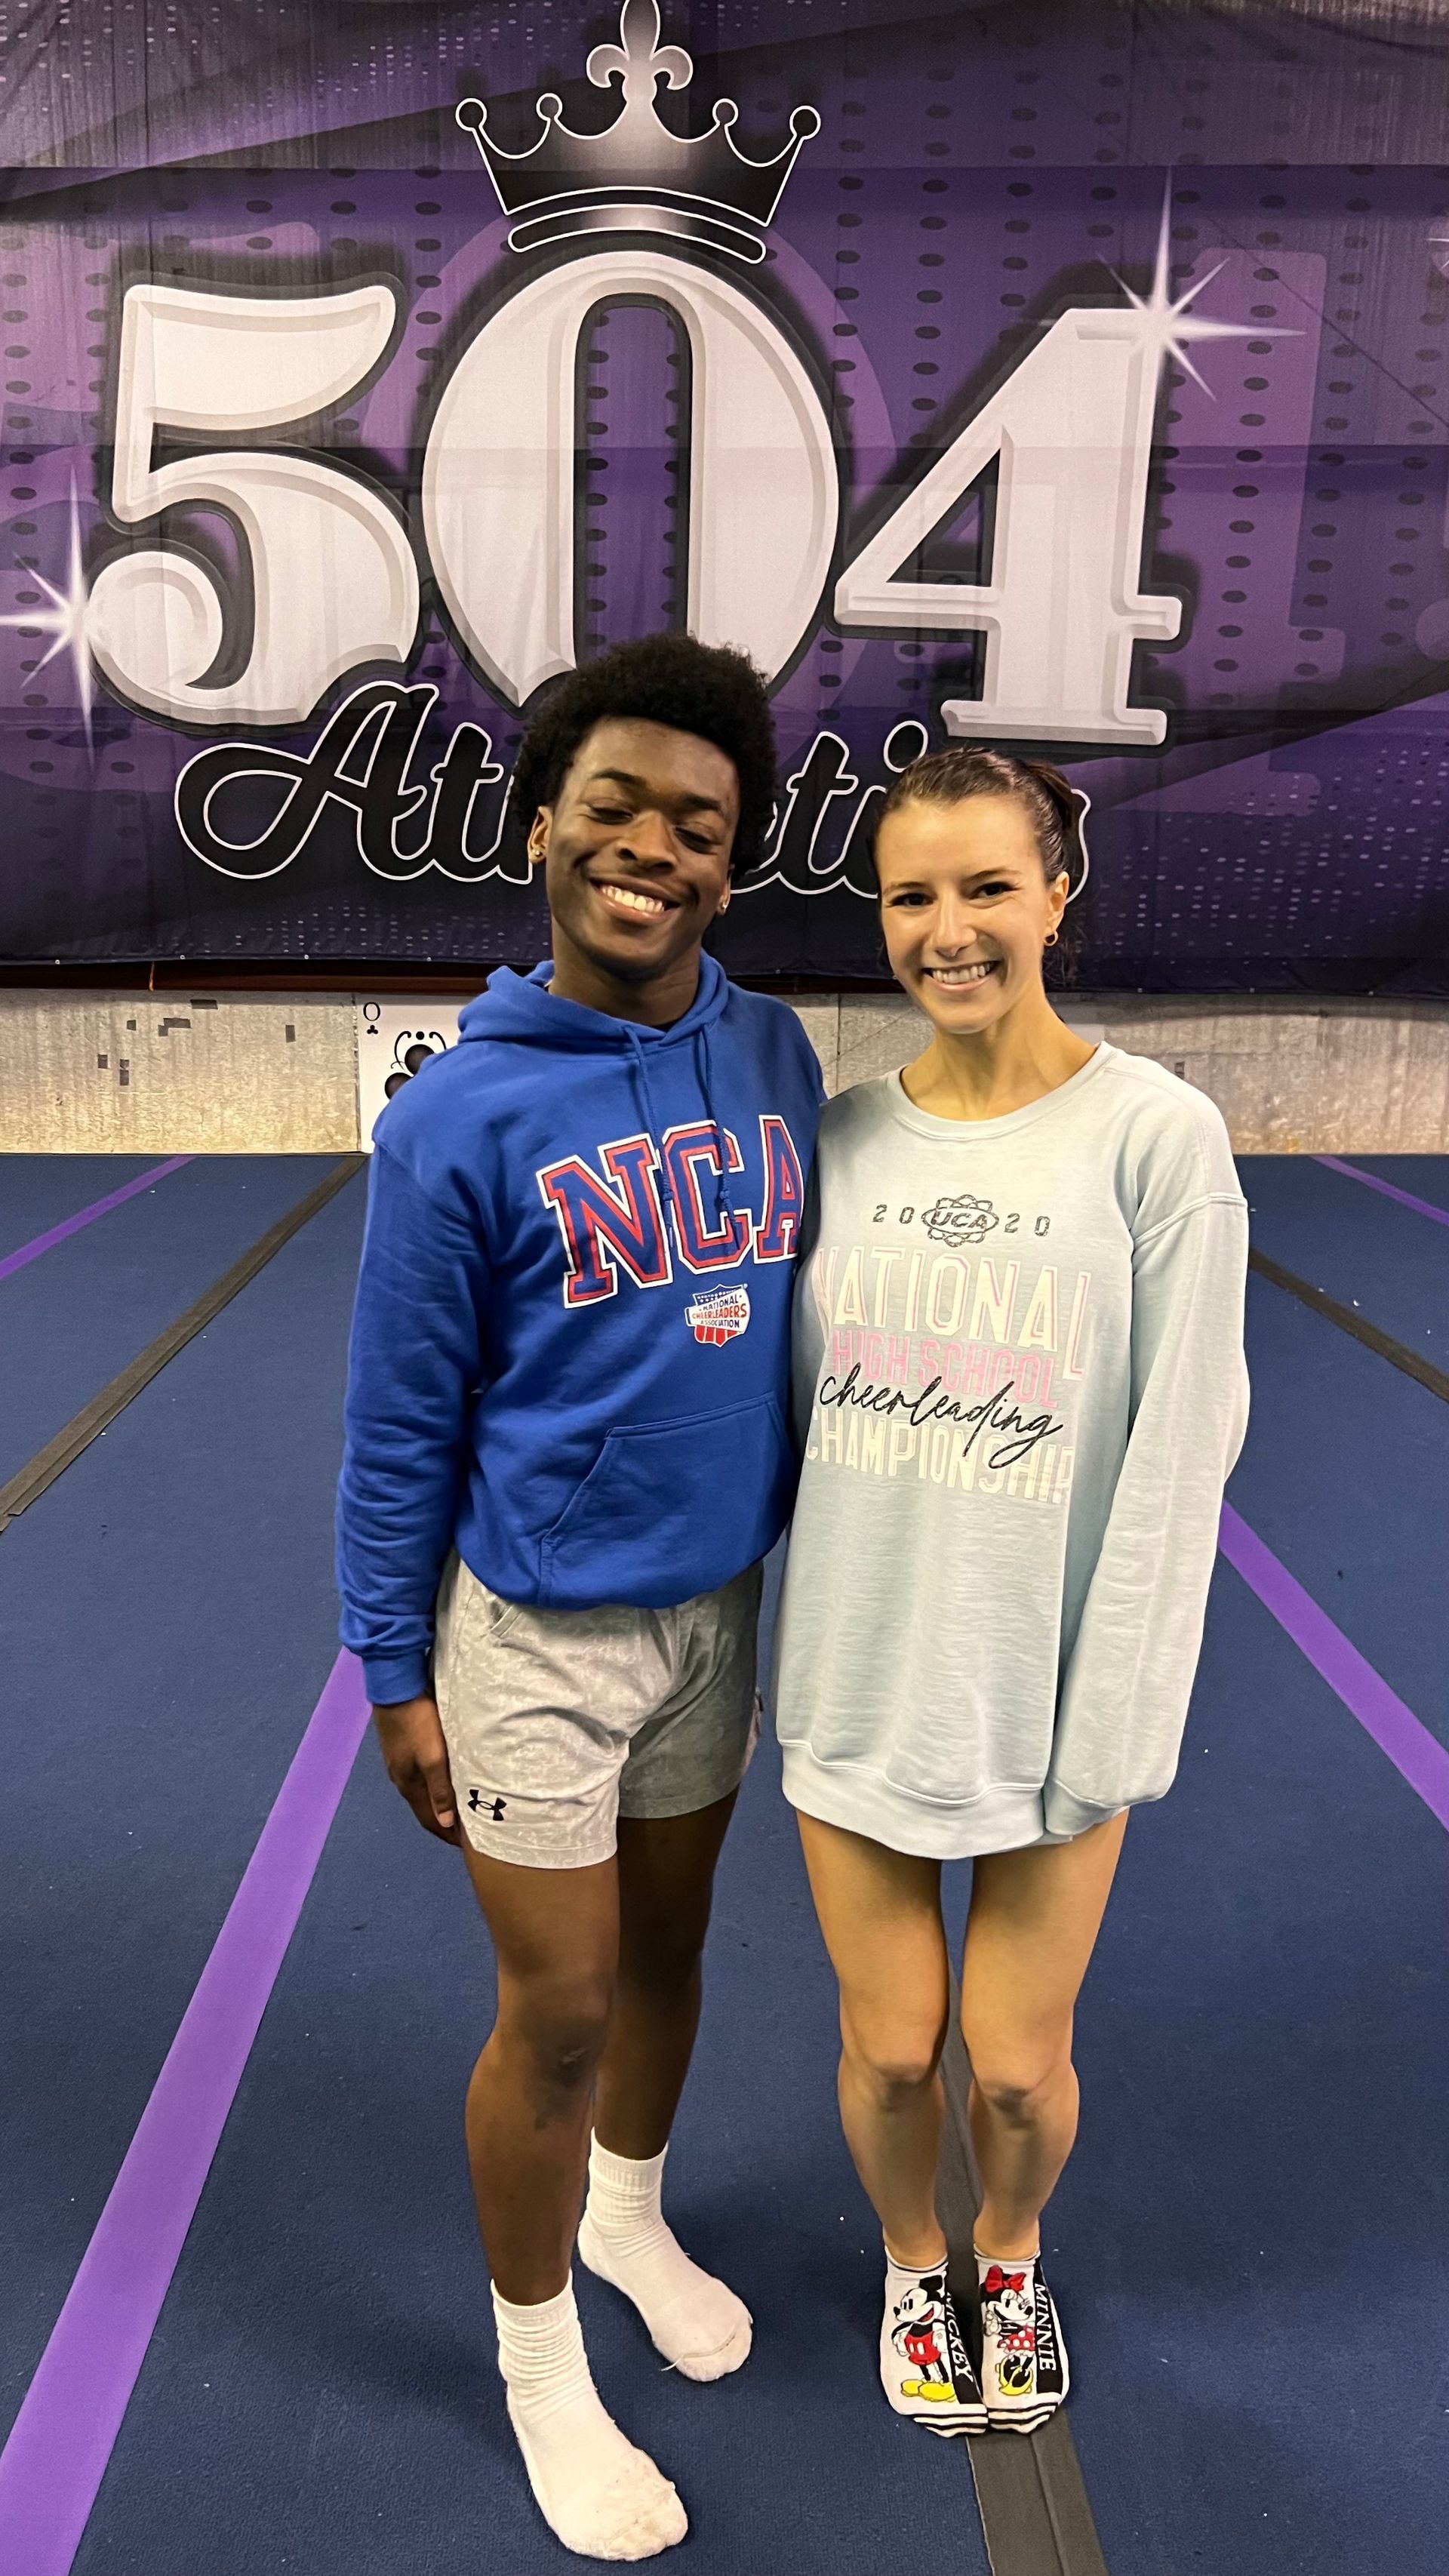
column 950, row 975
column 631, row 899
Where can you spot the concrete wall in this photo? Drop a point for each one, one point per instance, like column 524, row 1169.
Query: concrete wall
column 1290, row 1077
column 95, row 1072
column 167, row 1073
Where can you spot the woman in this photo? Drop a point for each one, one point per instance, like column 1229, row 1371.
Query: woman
column 1020, row 1384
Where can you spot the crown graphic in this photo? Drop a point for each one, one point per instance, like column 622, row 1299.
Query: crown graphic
column 637, row 176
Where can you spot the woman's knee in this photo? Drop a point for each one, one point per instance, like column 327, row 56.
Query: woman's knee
column 892, row 2060
column 1019, row 2083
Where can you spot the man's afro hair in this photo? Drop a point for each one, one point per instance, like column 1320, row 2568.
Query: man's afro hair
column 704, row 689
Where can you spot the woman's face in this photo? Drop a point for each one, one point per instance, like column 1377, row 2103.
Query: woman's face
column 965, row 907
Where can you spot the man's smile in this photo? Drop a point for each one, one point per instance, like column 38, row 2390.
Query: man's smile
column 632, row 898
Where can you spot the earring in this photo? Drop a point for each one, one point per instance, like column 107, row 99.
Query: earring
column 1050, row 940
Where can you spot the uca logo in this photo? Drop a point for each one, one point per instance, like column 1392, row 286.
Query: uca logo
column 959, row 1221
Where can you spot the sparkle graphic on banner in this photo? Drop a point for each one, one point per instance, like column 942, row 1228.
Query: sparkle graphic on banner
column 65, row 621
column 1169, row 328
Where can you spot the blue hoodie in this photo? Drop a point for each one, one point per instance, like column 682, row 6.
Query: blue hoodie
column 570, row 1347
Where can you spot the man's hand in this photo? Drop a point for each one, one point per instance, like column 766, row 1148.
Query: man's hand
column 411, row 1734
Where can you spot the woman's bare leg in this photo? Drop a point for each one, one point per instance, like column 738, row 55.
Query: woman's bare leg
column 880, row 1912
column 1034, row 1919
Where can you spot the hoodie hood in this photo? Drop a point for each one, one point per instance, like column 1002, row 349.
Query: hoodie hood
column 521, row 1008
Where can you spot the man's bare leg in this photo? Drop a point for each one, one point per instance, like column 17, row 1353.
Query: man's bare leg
column 666, row 1871
column 556, row 1936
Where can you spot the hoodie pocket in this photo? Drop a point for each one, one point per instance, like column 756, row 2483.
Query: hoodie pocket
column 671, row 1509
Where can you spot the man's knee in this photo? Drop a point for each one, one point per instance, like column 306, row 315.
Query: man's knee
column 663, row 1961
column 560, row 2025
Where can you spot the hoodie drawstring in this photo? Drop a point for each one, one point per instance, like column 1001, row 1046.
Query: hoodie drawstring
column 724, row 1205
column 726, row 1213
column 653, row 1123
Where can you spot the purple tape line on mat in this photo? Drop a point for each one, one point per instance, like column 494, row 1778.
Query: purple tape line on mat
column 88, row 1215
column 62, row 2438
column 1386, row 1189
column 1416, row 1754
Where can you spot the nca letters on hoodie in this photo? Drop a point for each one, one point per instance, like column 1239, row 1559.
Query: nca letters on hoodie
column 612, row 1217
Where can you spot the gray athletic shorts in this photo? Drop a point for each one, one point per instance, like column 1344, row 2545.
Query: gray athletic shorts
column 559, row 1721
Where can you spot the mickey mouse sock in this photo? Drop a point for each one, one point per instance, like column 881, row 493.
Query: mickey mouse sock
column 925, row 2366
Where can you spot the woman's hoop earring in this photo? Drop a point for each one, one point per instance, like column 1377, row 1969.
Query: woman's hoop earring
column 1051, row 939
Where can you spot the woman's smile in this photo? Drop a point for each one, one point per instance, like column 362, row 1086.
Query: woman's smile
column 955, row 979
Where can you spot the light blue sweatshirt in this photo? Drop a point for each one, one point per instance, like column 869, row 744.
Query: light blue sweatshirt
column 1020, row 1387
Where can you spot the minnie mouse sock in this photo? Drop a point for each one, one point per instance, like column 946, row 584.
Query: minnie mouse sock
column 925, row 2366
column 1024, row 2373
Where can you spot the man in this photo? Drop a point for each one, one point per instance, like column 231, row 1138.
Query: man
column 566, row 1428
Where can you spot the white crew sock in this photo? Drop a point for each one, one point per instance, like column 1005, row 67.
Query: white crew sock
column 696, row 2322
column 598, row 2494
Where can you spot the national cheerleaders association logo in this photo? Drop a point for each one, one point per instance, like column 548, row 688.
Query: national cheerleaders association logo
column 719, row 1316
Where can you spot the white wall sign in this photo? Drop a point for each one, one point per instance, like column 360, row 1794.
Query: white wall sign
column 394, row 1038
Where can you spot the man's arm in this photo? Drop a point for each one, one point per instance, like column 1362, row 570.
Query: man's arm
column 415, row 1365
column 411, row 1735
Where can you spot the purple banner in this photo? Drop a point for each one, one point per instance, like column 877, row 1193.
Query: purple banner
column 1063, row 376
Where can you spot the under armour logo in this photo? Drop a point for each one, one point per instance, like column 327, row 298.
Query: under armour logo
column 494, row 1807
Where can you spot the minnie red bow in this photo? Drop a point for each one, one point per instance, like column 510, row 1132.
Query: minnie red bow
column 996, row 2281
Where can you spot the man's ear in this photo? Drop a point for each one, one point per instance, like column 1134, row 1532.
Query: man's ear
column 538, row 836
